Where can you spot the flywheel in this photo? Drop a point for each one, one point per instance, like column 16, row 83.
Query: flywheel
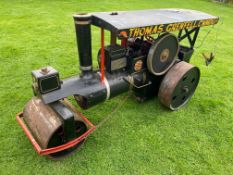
column 178, row 85
column 162, row 54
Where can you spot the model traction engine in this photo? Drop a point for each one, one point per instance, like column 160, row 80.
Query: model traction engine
column 150, row 61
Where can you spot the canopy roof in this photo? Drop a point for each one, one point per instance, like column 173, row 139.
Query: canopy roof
column 126, row 20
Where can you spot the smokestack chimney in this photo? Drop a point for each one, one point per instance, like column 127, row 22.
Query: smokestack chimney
column 82, row 23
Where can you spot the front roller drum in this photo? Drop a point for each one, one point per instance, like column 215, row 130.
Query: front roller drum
column 44, row 129
column 178, row 85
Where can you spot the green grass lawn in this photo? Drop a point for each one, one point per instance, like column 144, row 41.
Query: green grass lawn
column 140, row 138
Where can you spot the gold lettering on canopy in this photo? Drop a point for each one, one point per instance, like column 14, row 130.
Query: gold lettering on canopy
column 141, row 31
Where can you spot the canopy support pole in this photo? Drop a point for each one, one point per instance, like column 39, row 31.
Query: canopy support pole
column 187, row 35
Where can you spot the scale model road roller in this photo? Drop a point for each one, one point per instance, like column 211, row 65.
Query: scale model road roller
column 145, row 55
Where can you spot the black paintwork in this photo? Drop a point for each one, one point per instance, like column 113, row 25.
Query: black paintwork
column 83, row 36
column 45, row 80
column 115, row 57
column 185, row 53
column 67, row 118
column 188, row 35
column 123, row 20
column 92, row 89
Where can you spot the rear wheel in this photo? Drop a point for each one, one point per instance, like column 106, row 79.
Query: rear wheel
column 178, row 85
